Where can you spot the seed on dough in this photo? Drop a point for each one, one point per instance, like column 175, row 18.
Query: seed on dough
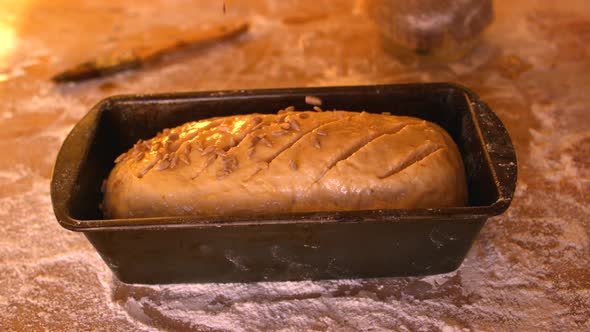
column 294, row 124
column 174, row 161
column 320, row 132
column 257, row 126
column 290, row 109
column 316, row 142
column 293, row 164
column 278, row 133
column 210, row 159
column 173, row 136
column 281, row 118
column 317, row 109
column 222, row 173
column 184, row 158
column 121, row 157
column 230, row 161
column 208, row 150
column 162, row 165
column 266, row 142
column 139, row 156
column 139, row 147
column 254, row 141
column 199, row 146
column 285, row 125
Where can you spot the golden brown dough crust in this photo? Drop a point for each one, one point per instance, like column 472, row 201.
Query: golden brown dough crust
column 288, row 162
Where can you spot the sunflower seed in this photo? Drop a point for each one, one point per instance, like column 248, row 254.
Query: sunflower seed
column 230, row 164
column 162, row 165
column 147, row 168
column 173, row 136
column 184, row 158
column 254, row 141
column 139, row 156
column 166, row 131
column 184, row 148
column 256, row 120
column 199, row 146
column 285, row 125
column 278, row 133
column 293, row 164
column 174, row 161
column 208, row 150
column 281, row 118
column 230, row 161
column 210, row 159
column 266, row 142
column 222, row 173
column 139, row 146
column 316, row 142
column 223, row 128
column 313, row 100
column 294, row 124
column 317, row 109
column 320, row 132
column 121, row 157
column 290, row 109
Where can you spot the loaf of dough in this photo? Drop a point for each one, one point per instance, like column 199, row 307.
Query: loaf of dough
column 287, row 162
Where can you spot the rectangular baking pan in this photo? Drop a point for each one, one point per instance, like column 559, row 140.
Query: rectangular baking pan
column 327, row 245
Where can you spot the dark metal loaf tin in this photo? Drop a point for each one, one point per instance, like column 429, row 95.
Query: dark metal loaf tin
column 290, row 246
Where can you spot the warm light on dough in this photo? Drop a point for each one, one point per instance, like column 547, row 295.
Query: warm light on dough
column 288, row 162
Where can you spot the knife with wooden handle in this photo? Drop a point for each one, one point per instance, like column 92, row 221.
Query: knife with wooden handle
column 136, row 57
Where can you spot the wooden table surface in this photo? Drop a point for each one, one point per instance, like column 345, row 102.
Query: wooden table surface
column 528, row 269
